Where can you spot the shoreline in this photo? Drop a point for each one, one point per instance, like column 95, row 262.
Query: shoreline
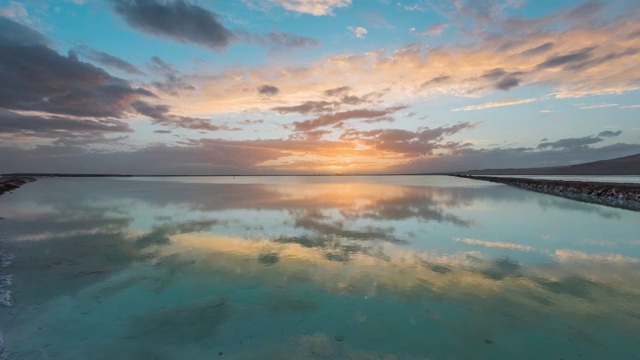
column 9, row 183
column 618, row 195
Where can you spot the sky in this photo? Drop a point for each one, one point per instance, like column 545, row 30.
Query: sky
column 242, row 87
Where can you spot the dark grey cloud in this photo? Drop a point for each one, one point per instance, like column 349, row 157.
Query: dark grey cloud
column 337, row 91
column 173, row 82
column 571, row 58
column 160, row 115
column 609, row 133
column 268, row 90
column 353, row 100
column 54, row 127
column 602, row 59
column 217, row 157
column 35, row 77
column 12, row 32
column 176, row 20
column 507, row 83
column 503, row 80
column 338, row 118
column 307, row 107
column 538, row 50
column 436, row 81
column 186, row 22
column 108, row 60
column 570, row 143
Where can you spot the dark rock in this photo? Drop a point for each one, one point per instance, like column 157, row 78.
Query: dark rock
column 620, row 195
column 8, row 183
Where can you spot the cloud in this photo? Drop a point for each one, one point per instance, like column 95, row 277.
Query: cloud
column 609, row 133
column 598, row 106
column 312, row 7
column 337, row 91
column 570, row 58
column 495, row 244
column 468, row 158
column 433, row 30
column 307, row 107
column 268, row 90
column 284, row 41
column 340, row 117
column 173, row 82
column 503, row 80
column 36, row 78
column 408, row 143
column 474, row 13
column 570, row 143
column 436, row 81
column 14, row 33
column 631, row 107
column 15, row 126
column 251, row 122
column 108, row 60
column 389, row 150
column 359, row 32
column 574, row 256
column 494, row 104
column 538, row 50
column 17, row 12
column 160, row 115
column 176, row 20
column 403, row 74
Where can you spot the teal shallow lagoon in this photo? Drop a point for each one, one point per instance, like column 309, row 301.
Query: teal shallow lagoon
column 315, row 268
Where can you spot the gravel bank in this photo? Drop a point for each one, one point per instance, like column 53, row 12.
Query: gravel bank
column 626, row 196
column 8, row 183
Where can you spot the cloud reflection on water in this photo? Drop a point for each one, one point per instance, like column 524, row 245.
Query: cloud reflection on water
column 412, row 244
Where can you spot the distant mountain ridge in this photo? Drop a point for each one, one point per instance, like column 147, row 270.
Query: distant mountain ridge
column 628, row 165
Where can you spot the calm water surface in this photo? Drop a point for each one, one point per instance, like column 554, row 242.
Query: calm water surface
column 314, row 268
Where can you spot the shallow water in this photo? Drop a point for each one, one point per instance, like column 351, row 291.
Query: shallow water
column 315, row 268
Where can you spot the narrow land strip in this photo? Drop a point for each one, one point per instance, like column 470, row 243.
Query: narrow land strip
column 620, row 195
column 8, row 183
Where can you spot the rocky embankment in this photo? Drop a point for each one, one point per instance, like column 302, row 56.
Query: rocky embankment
column 626, row 196
column 8, row 183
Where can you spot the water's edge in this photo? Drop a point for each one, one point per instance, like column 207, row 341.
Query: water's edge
column 8, row 183
column 619, row 195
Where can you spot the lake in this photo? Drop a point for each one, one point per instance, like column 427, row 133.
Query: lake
column 397, row 267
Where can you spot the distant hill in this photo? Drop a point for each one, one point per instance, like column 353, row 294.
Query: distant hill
column 628, row 165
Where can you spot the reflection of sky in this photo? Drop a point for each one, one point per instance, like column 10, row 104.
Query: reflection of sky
column 401, row 210
column 170, row 243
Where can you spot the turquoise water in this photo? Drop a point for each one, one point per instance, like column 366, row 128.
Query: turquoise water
column 418, row 267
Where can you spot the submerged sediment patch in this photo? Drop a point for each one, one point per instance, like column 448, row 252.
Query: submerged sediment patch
column 620, row 195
